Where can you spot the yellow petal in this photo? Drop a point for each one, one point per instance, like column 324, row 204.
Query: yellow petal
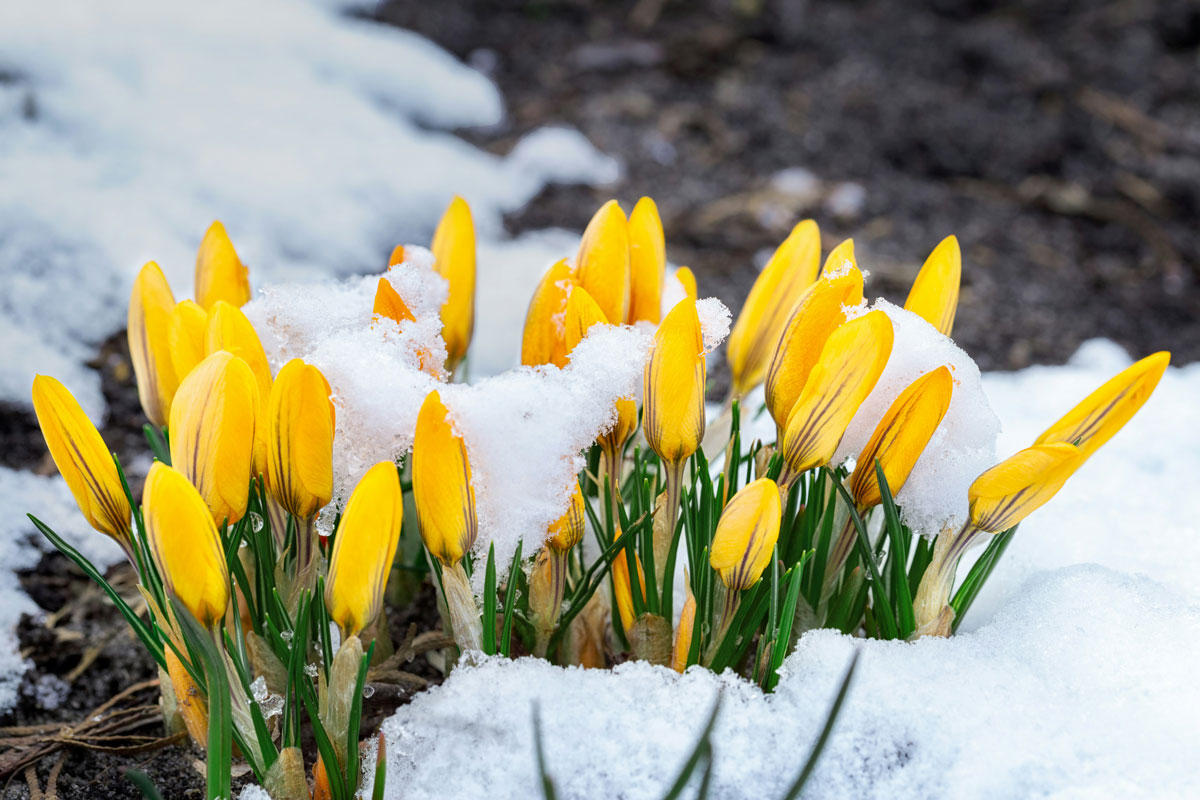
column 582, row 313
column 934, row 294
column 185, row 544
column 186, row 333
column 818, row 313
column 673, row 406
column 683, row 633
column 190, row 703
column 602, row 265
column 647, row 263
column 212, row 433
column 442, row 484
column 84, row 460
column 621, row 588
column 454, row 259
column 220, row 274
column 389, row 304
column 1016, row 487
column 228, row 329
column 850, row 364
column 791, row 270
column 363, row 549
column 150, row 307
column 687, row 279
column 543, row 339
column 397, row 256
column 613, row 440
column 746, row 534
column 901, row 436
column 1105, row 411
column 567, row 530
column 300, row 427
column 840, row 258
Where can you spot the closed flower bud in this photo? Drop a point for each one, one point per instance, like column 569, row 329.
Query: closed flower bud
column 583, row 312
column 901, row 436
column 454, row 259
column 363, row 549
column 647, row 263
column 850, row 364
column 220, row 274
column 934, row 294
column 441, row 474
column 186, row 333
column 1105, row 411
column 687, row 279
column 300, row 422
column 746, row 534
column 602, row 264
column 791, row 270
column 389, row 304
column 1016, row 487
column 621, row 586
column 543, row 339
column 83, row 459
column 819, row 312
column 229, row 329
column 613, row 440
column 673, row 405
column 213, row 430
column 185, row 544
column 148, row 323
column 567, row 530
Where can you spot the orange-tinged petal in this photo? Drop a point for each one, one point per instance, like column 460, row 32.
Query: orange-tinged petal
column 543, row 339
column 363, row 549
column 746, row 534
column 397, row 256
column 185, row 544
column 186, row 333
column 818, row 313
column 148, row 323
column 389, row 303
column 647, row 263
column 1105, row 411
column 1016, row 487
column 454, row 259
column 621, row 588
column 791, row 270
column 840, row 257
column 189, row 702
column 213, row 431
column 901, row 436
column 687, row 279
column 300, row 426
column 602, row 265
column 567, row 530
column 220, row 274
column 683, row 633
column 442, row 485
column 850, row 364
column 582, row 313
column 82, row 458
column 934, row 294
column 673, row 406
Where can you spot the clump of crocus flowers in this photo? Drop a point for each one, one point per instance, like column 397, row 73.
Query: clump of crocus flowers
column 266, row 632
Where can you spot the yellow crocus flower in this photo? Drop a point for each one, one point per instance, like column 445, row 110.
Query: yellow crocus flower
column 567, row 530
column 840, row 258
column 212, row 433
column 543, row 338
column 454, row 259
column 229, row 329
column 673, row 407
column 148, row 323
column 819, row 312
column 621, row 586
column 187, row 332
column 602, row 264
column 83, row 459
column 850, row 364
column 582, row 313
column 647, row 263
column 746, row 534
column 1013, row 489
column 300, row 423
column 442, row 489
column 185, row 544
column 791, row 270
column 363, row 549
column 220, row 274
column 1105, row 411
column 934, row 294
column 683, row 633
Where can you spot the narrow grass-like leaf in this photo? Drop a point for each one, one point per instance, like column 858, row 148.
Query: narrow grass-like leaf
column 883, row 611
column 220, row 714
column 809, row 765
column 489, row 603
column 980, row 571
column 143, row 783
column 510, row 602
column 898, row 538
column 703, row 745
column 547, row 782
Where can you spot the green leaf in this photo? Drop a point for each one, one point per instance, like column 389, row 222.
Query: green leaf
column 156, row 438
column 220, row 714
column 980, row 571
column 489, row 603
column 143, row 783
column 510, row 602
column 883, row 610
column 798, row 785
column 548, row 792
column 355, row 722
column 899, row 538
column 702, row 749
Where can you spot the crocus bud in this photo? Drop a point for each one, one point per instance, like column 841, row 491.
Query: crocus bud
column 364, row 548
column 212, row 433
column 602, row 264
column 791, row 270
column 850, row 364
column 647, row 263
column 934, row 294
column 1105, row 411
column 746, row 534
column 819, row 312
column 220, row 274
column 300, row 425
column 687, row 279
column 1019, row 485
column 673, row 404
column 621, row 586
column 583, row 312
column 185, row 544
column 683, row 633
column 389, row 304
column 901, row 436
column 840, row 258
column 567, row 530
column 187, row 331
column 441, row 474
column 542, row 341
column 397, row 256
column 83, row 459
column 613, row 440
column 229, row 329
column 150, row 307
column 454, row 259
